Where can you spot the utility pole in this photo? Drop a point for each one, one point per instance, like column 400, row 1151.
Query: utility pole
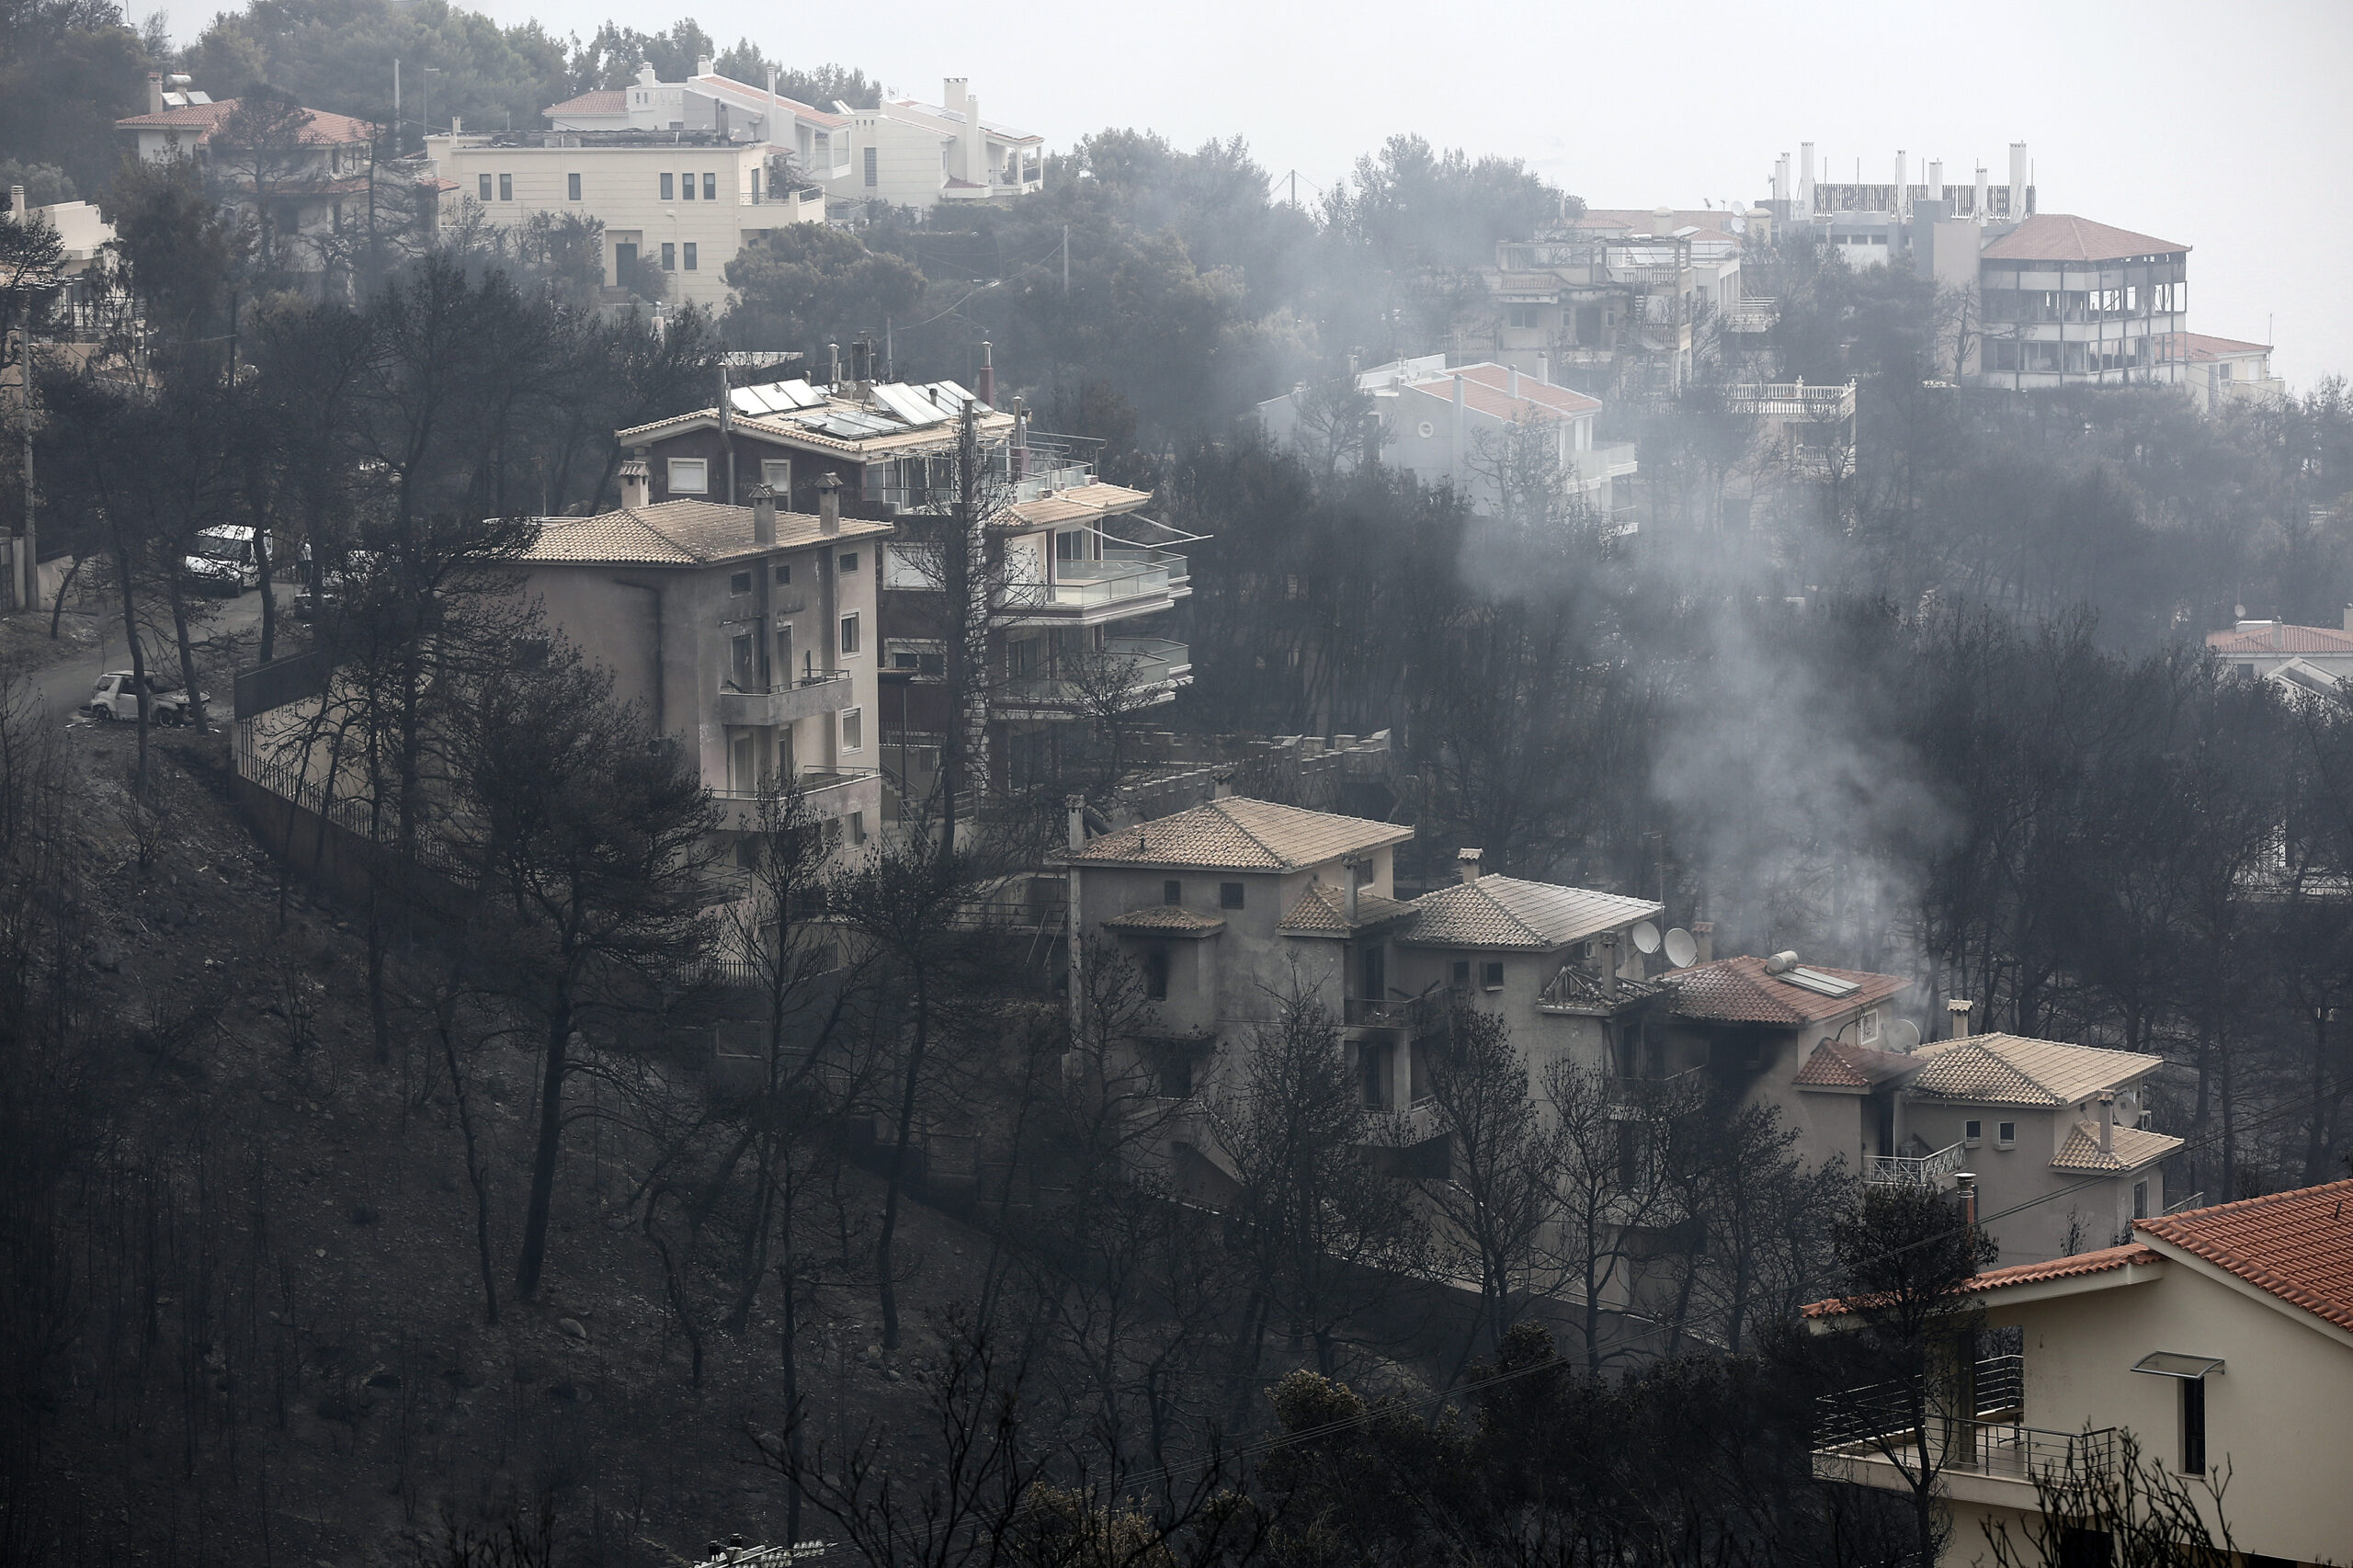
column 28, row 559
column 1065, row 260
column 727, row 434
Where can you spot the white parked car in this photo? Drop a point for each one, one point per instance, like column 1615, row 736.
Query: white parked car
column 115, row 696
column 224, row 559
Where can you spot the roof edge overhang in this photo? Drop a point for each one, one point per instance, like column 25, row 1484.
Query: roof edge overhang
column 2206, row 1268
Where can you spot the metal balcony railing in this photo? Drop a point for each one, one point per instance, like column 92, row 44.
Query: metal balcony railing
column 1904, row 1170
column 1148, row 662
column 1131, row 573
column 2008, row 1449
column 1407, row 1012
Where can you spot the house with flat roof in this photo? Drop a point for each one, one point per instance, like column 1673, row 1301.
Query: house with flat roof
column 907, row 153
column 2219, row 1340
column 815, row 139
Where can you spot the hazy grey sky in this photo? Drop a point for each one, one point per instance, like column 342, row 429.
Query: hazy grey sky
column 2223, row 126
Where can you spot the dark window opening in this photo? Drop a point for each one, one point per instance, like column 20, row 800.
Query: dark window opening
column 739, row 583
column 1229, row 895
column 1491, row 975
column 1462, row 971
column 2193, row 1426
column 572, row 187
column 1155, row 974
column 1172, row 893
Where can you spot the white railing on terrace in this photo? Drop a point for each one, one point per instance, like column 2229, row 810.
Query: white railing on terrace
column 1793, row 400
column 1904, row 1170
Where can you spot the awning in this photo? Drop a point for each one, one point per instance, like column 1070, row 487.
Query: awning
column 2167, row 1364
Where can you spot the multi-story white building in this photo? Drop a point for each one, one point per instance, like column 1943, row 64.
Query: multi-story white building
column 1484, row 428
column 817, row 139
column 906, row 153
column 2220, row 371
column 683, row 202
column 2065, row 301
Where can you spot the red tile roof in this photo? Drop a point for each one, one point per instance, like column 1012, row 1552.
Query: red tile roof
column 2198, row 346
column 1738, row 991
column 2298, row 1246
column 2056, row 236
column 2071, row 1266
column 1486, row 389
column 321, row 129
column 2282, row 640
column 601, row 100
column 1837, row 1065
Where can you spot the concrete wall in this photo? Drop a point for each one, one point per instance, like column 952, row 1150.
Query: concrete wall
column 2274, row 1418
column 2098, row 1213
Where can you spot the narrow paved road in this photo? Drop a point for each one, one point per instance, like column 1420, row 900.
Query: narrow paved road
column 65, row 685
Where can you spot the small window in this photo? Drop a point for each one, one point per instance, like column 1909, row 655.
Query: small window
column 688, row 194
column 1155, row 974
column 486, row 188
column 2140, row 1200
column 740, row 583
column 849, row 565
column 849, row 635
column 669, row 257
column 784, row 571
column 572, row 187
column 873, row 176
column 857, row 827
column 777, row 474
column 1972, row 1133
column 2193, row 1426
column 665, row 187
column 1462, row 971
column 1229, row 895
column 711, row 188
column 1491, row 974
column 853, row 729
column 689, row 476
column 1869, row 1031
column 506, row 188
column 1172, row 893
column 2005, row 1135
column 690, row 256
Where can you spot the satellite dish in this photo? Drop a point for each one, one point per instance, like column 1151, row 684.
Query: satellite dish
column 1902, row 1037
column 1647, row 937
column 2128, row 1108
column 1680, row 948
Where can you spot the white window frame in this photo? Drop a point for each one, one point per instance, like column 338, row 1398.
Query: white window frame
column 777, row 474
column 1869, row 1028
column 680, row 471
column 1972, row 1132
column 2005, row 1135
column 852, row 635
column 853, row 730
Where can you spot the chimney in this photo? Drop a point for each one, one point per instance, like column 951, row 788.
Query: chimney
column 705, row 65
column 1466, row 864
column 1544, row 379
column 1977, row 209
column 1902, row 164
column 1965, row 1188
column 2348, row 618
column 829, row 502
column 18, row 208
column 1662, row 221
column 2107, row 1121
column 2018, row 182
column 637, row 484
column 763, row 515
column 1351, row 874
column 1077, row 805
column 1957, row 1019
column 976, row 142
column 1607, row 943
column 1703, row 941
column 1805, row 178
column 952, row 91
column 1935, row 180
column 1221, row 784
column 986, row 390
column 833, row 365
column 154, row 91
column 1515, row 384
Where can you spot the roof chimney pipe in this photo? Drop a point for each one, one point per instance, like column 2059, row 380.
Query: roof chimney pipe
column 1607, row 944
column 986, row 390
column 2107, row 1122
column 1957, row 1019
column 1466, row 864
column 1703, row 941
column 154, row 91
column 1077, row 806
column 1965, row 1188
column 1351, row 875
column 829, row 502
column 832, row 364
column 637, row 484
column 763, row 515
column 2018, row 182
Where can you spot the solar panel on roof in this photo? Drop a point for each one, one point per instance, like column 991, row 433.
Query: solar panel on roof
column 751, row 400
column 907, row 404
column 797, row 393
column 1820, row 984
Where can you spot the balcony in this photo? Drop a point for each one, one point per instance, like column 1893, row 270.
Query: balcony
column 831, row 794
column 1753, row 316
column 1926, row 1170
column 786, row 702
column 1867, row 1435
column 1414, row 1015
column 1128, row 580
column 1156, row 668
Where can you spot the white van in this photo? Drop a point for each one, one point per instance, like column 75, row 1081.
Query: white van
column 224, row 559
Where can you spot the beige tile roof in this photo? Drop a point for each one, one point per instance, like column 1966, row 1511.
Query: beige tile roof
column 1320, row 912
column 1165, row 919
column 1079, row 503
column 678, row 533
column 2129, row 1149
column 321, row 128
column 2007, row 1069
column 1240, row 836
column 1497, row 911
column 1837, row 1065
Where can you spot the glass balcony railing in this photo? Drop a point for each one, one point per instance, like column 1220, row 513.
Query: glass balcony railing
column 1144, row 663
column 1124, row 572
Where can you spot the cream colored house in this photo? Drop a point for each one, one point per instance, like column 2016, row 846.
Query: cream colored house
column 2221, row 1340
column 817, row 139
column 905, row 153
column 683, row 202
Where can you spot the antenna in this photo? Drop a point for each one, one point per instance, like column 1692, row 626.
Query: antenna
column 1681, row 948
column 1902, row 1037
column 1647, row 937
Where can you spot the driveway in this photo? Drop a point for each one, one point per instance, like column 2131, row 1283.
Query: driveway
column 65, row 685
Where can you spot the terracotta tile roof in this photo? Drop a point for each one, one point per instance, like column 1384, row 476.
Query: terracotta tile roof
column 2198, row 346
column 1486, row 389
column 2298, row 1246
column 1837, row 1065
column 601, row 100
column 2283, row 638
column 2056, row 236
column 1239, row 834
column 754, row 95
column 1165, row 919
column 1505, row 912
column 1738, row 991
column 2074, row 1265
column 2007, row 1069
column 321, row 129
column 2130, row 1149
column 1320, row 912
column 676, row 533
